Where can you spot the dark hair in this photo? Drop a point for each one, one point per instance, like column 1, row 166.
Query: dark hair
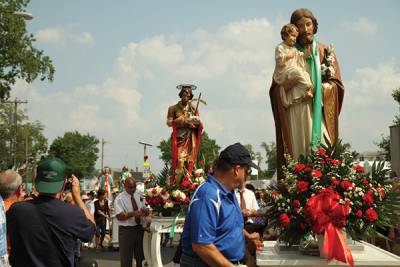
column 188, row 90
column 100, row 193
column 221, row 166
column 250, row 187
column 304, row 12
column 286, row 29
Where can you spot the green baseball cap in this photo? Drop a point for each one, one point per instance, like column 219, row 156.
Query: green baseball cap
column 50, row 175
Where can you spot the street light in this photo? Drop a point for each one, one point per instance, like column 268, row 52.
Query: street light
column 24, row 15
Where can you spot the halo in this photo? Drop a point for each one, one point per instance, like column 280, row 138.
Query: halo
column 192, row 86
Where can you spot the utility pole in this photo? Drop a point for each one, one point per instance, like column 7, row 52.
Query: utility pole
column 145, row 145
column 16, row 102
column 102, row 152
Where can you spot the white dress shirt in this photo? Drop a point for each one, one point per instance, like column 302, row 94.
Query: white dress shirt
column 249, row 198
column 123, row 204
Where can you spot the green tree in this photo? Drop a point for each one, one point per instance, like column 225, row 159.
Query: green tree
column 208, row 151
column 19, row 59
column 271, row 160
column 396, row 97
column 79, row 152
column 384, row 143
column 32, row 144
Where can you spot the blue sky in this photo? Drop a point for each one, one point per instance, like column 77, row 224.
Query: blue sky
column 118, row 62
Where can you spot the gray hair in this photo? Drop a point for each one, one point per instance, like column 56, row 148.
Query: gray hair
column 10, row 181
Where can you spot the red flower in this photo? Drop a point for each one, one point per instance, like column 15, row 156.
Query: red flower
column 364, row 181
column 368, row 198
column 154, row 191
column 307, row 169
column 201, row 163
column 316, row 174
column 359, row 213
column 192, row 186
column 336, row 162
column 185, row 183
column 371, row 215
column 346, row 185
column 196, row 174
column 178, row 198
column 359, row 168
column 296, row 210
column 381, row 191
column 296, row 203
column 187, row 199
column 334, row 181
column 302, row 186
column 284, row 219
column 299, row 167
column 321, row 152
column 275, row 194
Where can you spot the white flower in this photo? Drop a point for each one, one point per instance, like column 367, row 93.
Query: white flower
column 168, row 204
column 178, row 194
column 164, row 195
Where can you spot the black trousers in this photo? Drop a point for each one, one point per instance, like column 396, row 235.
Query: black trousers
column 130, row 244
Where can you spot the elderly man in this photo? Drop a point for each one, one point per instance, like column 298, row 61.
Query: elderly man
column 10, row 188
column 129, row 210
column 214, row 232
column 43, row 231
column 312, row 121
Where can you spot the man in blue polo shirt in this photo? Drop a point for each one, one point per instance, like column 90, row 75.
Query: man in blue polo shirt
column 213, row 234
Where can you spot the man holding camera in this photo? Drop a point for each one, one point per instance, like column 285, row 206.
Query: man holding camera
column 43, row 231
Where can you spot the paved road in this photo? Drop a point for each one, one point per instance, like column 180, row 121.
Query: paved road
column 110, row 258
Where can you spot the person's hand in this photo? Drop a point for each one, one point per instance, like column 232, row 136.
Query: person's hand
column 76, row 187
column 290, row 54
column 254, row 241
column 246, row 212
column 289, row 84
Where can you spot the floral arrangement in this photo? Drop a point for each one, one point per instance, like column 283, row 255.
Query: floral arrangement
column 324, row 192
column 167, row 195
column 327, row 68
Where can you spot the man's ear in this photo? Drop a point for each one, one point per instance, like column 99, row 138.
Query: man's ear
column 19, row 191
column 236, row 170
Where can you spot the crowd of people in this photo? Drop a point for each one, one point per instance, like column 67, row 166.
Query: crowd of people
column 224, row 225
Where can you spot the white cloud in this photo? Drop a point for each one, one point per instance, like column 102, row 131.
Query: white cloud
column 369, row 108
column 52, row 35
column 85, row 38
column 365, row 26
column 61, row 35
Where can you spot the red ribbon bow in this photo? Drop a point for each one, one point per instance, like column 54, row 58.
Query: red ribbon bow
column 328, row 216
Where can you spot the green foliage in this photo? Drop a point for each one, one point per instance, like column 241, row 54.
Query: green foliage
column 331, row 169
column 18, row 58
column 30, row 136
column 384, row 145
column 271, row 161
column 79, row 152
column 208, row 151
column 396, row 97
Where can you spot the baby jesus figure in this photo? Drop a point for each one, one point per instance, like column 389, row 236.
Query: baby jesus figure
column 291, row 65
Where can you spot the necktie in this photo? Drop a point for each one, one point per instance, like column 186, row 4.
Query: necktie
column 135, row 207
column 242, row 201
